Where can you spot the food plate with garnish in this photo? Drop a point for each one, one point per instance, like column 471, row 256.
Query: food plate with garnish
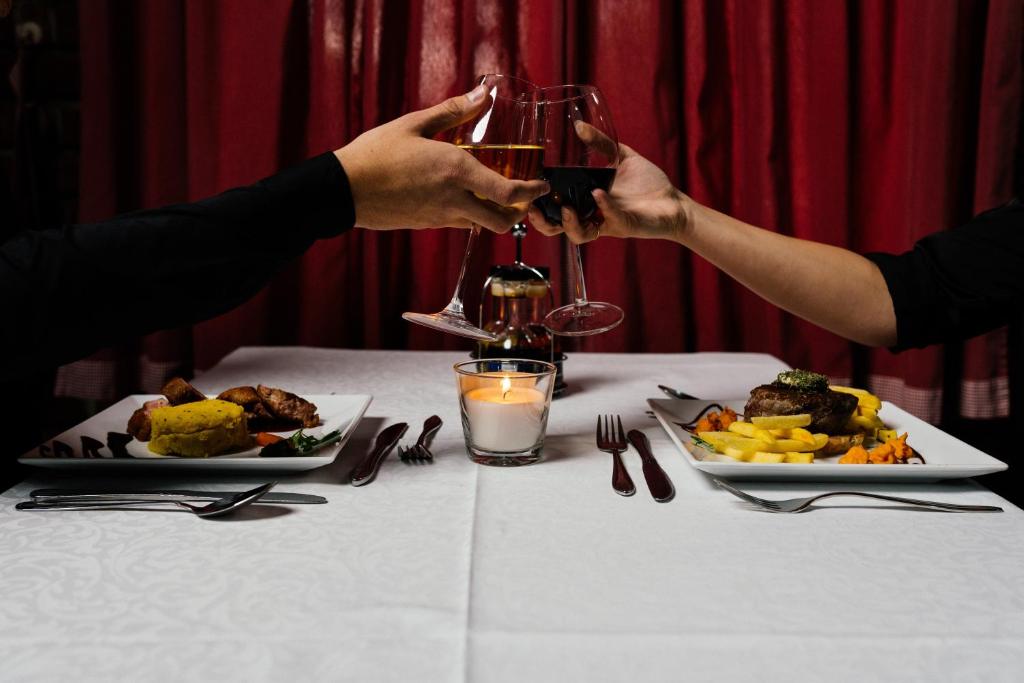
column 801, row 428
column 253, row 428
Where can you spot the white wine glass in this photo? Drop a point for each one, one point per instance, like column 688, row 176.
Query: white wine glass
column 506, row 138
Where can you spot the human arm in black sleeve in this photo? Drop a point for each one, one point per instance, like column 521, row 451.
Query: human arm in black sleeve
column 67, row 292
column 958, row 283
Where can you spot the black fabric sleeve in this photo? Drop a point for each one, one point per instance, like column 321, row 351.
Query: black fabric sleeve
column 958, row 283
column 66, row 292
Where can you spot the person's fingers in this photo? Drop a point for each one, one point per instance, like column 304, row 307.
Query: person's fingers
column 595, row 138
column 540, row 223
column 625, row 152
column 617, row 223
column 499, row 219
column 491, row 185
column 453, row 111
column 574, row 230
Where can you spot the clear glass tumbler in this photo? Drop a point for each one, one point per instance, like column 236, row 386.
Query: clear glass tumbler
column 505, row 404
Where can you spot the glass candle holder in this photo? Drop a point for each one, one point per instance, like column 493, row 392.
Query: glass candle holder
column 505, row 404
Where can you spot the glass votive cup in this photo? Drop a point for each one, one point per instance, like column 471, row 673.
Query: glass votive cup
column 505, row 404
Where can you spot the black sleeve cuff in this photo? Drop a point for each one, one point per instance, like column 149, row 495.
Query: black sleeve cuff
column 318, row 193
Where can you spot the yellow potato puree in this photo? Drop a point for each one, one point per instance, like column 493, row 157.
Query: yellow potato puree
column 198, row 430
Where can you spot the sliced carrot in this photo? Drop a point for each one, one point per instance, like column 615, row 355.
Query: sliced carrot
column 267, row 438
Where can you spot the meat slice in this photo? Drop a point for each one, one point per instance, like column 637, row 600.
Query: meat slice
column 829, row 410
column 288, row 406
column 257, row 416
column 178, row 392
column 139, row 424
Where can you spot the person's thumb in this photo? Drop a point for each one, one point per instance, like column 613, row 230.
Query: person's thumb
column 451, row 112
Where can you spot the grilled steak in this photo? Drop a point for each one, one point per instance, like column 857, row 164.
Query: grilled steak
column 829, row 410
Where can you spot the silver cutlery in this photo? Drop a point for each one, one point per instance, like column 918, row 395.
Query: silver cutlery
column 214, row 509
column 184, row 495
column 612, row 440
column 420, row 452
column 801, row 504
column 675, row 393
column 657, row 481
column 365, row 471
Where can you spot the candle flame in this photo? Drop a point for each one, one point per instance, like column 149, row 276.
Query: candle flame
column 506, row 387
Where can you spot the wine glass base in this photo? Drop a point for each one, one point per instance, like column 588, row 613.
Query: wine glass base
column 452, row 323
column 582, row 321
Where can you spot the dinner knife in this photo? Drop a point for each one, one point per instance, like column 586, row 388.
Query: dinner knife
column 365, row 471
column 675, row 393
column 87, row 495
column 657, row 481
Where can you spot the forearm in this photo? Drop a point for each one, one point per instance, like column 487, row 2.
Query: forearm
column 64, row 293
column 831, row 287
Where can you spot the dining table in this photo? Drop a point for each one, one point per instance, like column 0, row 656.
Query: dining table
column 453, row 571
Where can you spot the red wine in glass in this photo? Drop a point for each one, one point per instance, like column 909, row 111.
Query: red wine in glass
column 573, row 186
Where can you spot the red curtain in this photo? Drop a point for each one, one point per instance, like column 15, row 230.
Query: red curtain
column 862, row 124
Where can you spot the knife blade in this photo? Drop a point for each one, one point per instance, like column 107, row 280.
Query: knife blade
column 657, row 481
column 86, row 495
column 675, row 393
column 365, row 471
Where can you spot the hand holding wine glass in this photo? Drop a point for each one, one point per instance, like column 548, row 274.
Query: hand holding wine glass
column 401, row 178
column 642, row 203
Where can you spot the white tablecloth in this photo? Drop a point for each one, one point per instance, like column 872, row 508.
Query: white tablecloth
column 453, row 572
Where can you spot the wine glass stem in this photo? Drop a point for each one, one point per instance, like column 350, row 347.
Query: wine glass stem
column 578, row 285
column 455, row 305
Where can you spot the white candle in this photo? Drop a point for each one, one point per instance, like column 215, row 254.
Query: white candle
column 505, row 418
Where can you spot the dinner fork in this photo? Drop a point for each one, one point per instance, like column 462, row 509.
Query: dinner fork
column 801, row 504
column 612, row 440
column 411, row 455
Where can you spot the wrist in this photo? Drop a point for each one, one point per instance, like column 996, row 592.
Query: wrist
column 686, row 214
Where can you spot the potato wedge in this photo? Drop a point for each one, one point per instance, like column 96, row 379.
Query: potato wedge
column 801, row 434
column 765, row 457
column 799, row 458
column 781, row 421
column 752, row 431
column 737, row 454
column 841, row 443
column 720, row 440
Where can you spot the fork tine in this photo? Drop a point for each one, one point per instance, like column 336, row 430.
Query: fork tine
column 621, row 436
column 424, row 453
column 597, row 434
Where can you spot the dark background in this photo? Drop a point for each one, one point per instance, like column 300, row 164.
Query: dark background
column 862, row 124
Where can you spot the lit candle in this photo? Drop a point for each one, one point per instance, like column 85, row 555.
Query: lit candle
column 505, row 417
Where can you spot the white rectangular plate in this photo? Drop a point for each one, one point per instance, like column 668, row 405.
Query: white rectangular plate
column 946, row 456
column 336, row 412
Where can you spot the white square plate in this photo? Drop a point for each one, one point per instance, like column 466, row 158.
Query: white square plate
column 336, row 412
column 946, row 456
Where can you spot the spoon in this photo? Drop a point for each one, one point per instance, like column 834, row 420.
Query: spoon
column 217, row 508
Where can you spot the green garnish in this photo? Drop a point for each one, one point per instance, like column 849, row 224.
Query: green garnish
column 804, row 380
column 703, row 444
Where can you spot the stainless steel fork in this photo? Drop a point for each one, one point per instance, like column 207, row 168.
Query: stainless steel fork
column 801, row 504
column 611, row 438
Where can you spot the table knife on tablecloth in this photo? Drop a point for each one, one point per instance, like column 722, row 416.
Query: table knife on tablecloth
column 87, row 495
column 657, row 481
column 365, row 471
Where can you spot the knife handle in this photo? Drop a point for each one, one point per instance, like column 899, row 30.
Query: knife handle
column 365, row 472
column 657, row 481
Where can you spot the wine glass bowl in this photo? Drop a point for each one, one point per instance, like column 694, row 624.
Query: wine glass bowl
column 506, row 137
column 580, row 156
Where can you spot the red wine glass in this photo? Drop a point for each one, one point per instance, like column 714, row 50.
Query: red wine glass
column 580, row 155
